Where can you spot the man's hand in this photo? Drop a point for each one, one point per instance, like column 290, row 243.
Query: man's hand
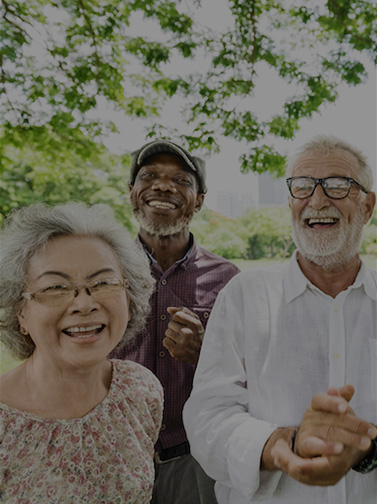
column 329, row 441
column 329, row 426
column 184, row 335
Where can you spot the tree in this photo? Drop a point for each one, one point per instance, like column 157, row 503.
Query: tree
column 219, row 234
column 31, row 176
column 62, row 62
column 369, row 243
column 268, row 232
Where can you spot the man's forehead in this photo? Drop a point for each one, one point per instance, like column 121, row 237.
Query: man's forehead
column 166, row 159
column 338, row 162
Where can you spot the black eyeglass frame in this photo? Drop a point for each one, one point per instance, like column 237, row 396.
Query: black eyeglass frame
column 321, row 181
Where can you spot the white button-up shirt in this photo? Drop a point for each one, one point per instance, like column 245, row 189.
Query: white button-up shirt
column 273, row 341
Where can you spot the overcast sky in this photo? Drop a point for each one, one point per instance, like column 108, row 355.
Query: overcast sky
column 352, row 117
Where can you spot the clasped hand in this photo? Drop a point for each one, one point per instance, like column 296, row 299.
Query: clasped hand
column 184, row 335
column 329, row 441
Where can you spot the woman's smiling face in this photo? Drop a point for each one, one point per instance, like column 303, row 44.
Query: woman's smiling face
column 81, row 331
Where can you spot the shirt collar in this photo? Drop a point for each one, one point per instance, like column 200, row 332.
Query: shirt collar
column 190, row 252
column 368, row 279
column 295, row 282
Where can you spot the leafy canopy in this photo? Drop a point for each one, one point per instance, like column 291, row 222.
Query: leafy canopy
column 63, row 61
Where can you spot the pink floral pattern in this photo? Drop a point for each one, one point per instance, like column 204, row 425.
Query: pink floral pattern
column 105, row 457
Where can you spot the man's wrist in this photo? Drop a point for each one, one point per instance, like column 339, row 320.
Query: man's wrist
column 267, row 461
column 369, row 462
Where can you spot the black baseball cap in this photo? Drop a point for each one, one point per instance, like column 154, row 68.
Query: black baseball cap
column 194, row 163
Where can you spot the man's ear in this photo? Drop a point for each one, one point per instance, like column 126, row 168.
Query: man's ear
column 131, row 195
column 199, row 202
column 369, row 204
column 290, row 201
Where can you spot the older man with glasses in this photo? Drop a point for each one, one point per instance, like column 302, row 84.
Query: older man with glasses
column 284, row 404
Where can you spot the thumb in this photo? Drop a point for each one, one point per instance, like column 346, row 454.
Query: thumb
column 345, row 392
column 174, row 309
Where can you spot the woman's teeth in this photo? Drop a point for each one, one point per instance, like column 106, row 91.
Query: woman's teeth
column 83, row 332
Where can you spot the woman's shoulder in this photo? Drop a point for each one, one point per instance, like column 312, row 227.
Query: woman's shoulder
column 135, row 387
column 134, row 376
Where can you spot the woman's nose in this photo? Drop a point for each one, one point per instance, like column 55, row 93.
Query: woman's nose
column 83, row 301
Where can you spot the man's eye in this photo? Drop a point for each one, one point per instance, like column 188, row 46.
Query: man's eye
column 302, row 187
column 147, row 175
column 183, row 181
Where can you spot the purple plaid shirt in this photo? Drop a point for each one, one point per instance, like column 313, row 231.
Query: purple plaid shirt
column 194, row 282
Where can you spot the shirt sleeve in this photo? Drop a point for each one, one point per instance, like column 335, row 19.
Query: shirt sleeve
column 224, row 436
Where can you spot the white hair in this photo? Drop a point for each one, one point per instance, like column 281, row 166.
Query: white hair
column 326, row 144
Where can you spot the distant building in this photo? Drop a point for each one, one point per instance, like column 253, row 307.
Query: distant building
column 233, row 204
column 267, row 191
column 272, row 191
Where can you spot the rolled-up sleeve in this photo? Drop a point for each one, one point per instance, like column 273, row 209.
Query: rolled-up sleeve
column 224, row 437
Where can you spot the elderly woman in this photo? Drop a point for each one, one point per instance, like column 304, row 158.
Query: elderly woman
column 75, row 427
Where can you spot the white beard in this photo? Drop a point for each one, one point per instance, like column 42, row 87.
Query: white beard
column 163, row 230
column 330, row 248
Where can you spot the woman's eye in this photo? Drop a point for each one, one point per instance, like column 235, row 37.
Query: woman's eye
column 57, row 287
column 103, row 282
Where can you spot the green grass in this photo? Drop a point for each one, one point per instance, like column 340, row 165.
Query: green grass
column 8, row 362
column 244, row 264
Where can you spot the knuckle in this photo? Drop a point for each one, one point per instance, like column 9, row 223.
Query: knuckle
column 360, row 425
column 327, row 431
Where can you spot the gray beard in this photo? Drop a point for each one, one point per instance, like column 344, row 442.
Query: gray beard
column 163, row 230
column 334, row 247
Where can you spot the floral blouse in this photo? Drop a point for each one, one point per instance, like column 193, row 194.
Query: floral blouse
column 104, row 457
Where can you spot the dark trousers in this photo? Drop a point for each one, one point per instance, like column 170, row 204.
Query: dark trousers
column 182, row 481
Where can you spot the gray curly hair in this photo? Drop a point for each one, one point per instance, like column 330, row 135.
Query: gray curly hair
column 28, row 229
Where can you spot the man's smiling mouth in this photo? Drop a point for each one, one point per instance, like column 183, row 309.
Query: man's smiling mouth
column 164, row 205
column 314, row 222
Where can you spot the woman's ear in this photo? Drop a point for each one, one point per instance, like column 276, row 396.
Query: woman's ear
column 21, row 319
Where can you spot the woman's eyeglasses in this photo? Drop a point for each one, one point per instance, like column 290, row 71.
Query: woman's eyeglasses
column 54, row 295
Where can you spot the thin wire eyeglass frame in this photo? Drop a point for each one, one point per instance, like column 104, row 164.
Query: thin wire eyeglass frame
column 322, row 183
column 69, row 292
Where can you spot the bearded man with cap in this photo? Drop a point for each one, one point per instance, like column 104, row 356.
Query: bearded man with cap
column 167, row 187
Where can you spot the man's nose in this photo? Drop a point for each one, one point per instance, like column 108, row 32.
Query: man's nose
column 164, row 185
column 319, row 199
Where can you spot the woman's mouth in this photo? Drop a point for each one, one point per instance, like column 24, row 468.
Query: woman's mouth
column 84, row 331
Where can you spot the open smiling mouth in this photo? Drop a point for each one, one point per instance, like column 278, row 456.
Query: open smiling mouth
column 83, row 332
column 162, row 205
column 316, row 223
